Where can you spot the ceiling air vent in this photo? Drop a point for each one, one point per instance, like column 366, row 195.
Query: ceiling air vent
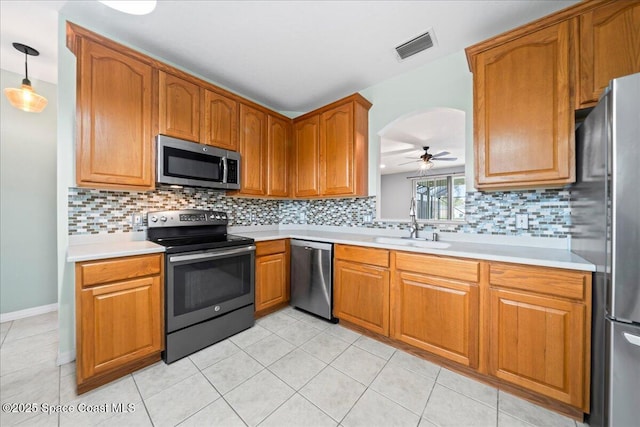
column 413, row 46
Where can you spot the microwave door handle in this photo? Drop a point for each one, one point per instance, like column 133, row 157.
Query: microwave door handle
column 224, row 169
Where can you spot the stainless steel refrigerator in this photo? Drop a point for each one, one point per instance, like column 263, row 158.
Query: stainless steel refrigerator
column 605, row 213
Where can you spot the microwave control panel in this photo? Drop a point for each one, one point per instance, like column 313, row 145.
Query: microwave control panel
column 232, row 173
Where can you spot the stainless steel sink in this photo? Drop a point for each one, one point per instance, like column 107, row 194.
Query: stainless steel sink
column 419, row 243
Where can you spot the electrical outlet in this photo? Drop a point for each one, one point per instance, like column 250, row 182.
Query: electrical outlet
column 303, row 216
column 522, row 221
column 136, row 219
column 367, row 218
column 252, row 217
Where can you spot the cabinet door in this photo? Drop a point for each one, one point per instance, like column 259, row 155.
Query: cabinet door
column 179, row 107
column 305, row 157
column 438, row 315
column 118, row 323
column 539, row 343
column 336, row 151
column 271, row 280
column 253, row 135
column 609, row 47
column 114, row 148
column 361, row 295
column 524, row 125
column 278, row 157
column 220, row 121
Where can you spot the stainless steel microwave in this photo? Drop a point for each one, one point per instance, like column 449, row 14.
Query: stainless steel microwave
column 186, row 163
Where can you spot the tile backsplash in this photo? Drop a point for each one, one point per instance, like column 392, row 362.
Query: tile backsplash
column 101, row 211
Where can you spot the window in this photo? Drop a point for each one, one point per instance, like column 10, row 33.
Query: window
column 440, row 197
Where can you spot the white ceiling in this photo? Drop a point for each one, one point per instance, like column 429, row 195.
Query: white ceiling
column 440, row 129
column 288, row 55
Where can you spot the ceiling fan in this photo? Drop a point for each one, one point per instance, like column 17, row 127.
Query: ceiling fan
column 427, row 158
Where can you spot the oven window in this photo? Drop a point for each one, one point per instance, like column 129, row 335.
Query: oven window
column 186, row 164
column 208, row 283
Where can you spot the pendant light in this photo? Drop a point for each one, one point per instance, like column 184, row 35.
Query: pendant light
column 25, row 98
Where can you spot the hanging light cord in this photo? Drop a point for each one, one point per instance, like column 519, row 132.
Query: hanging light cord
column 26, row 70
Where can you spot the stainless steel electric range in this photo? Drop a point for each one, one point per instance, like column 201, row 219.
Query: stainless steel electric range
column 209, row 279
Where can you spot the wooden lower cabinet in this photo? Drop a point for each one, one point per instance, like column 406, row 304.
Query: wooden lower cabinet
column 361, row 289
column 272, row 274
column 538, row 342
column 435, row 303
column 361, row 295
column 527, row 327
column 438, row 315
column 540, row 330
column 119, row 317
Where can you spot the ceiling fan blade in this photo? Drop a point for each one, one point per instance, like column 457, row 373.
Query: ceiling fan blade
column 440, row 154
column 448, row 159
column 406, row 163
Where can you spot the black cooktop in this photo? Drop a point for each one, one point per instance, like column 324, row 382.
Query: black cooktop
column 190, row 230
column 202, row 242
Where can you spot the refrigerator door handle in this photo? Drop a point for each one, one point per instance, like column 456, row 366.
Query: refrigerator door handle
column 633, row 339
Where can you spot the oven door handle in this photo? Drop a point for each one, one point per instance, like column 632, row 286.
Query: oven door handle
column 211, row 255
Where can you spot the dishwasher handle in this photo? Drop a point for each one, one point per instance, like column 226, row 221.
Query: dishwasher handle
column 311, row 245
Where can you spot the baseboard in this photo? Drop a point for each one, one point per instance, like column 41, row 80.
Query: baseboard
column 67, row 357
column 28, row 312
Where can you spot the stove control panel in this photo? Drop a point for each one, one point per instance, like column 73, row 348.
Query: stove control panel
column 186, row 217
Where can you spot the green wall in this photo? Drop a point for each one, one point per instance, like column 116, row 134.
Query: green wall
column 446, row 82
column 66, row 178
column 27, row 201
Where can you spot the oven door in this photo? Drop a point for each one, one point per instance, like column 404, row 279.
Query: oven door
column 206, row 284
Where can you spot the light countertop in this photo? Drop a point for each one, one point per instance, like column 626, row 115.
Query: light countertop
column 102, row 250
column 531, row 255
column 544, row 257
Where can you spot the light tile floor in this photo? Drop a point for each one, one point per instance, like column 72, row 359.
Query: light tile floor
column 290, row 369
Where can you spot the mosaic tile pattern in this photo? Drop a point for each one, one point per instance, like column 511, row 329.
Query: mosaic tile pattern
column 100, row 211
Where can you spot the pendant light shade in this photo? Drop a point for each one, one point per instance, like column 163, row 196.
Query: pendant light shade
column 25, row 98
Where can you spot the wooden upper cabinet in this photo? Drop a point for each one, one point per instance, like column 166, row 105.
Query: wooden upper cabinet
column 336, row 151
column 609, row 47
column 179, row 107
column 253, row 151
column 306, row 157
column 114, row 118
column 195, row 113
column 220, row 121
column 278, row 151
column 331, row 150
column 523, row 116
column 343, row 148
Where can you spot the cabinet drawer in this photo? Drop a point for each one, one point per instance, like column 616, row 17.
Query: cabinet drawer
column 379, row 257
column 549, row 281
column 437, row 266
column 104, row 271
column 271, row 247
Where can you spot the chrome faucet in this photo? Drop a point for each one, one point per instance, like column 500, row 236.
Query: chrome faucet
column 413, row 225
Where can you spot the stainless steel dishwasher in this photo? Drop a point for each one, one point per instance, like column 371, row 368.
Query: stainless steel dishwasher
column 312, row 277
